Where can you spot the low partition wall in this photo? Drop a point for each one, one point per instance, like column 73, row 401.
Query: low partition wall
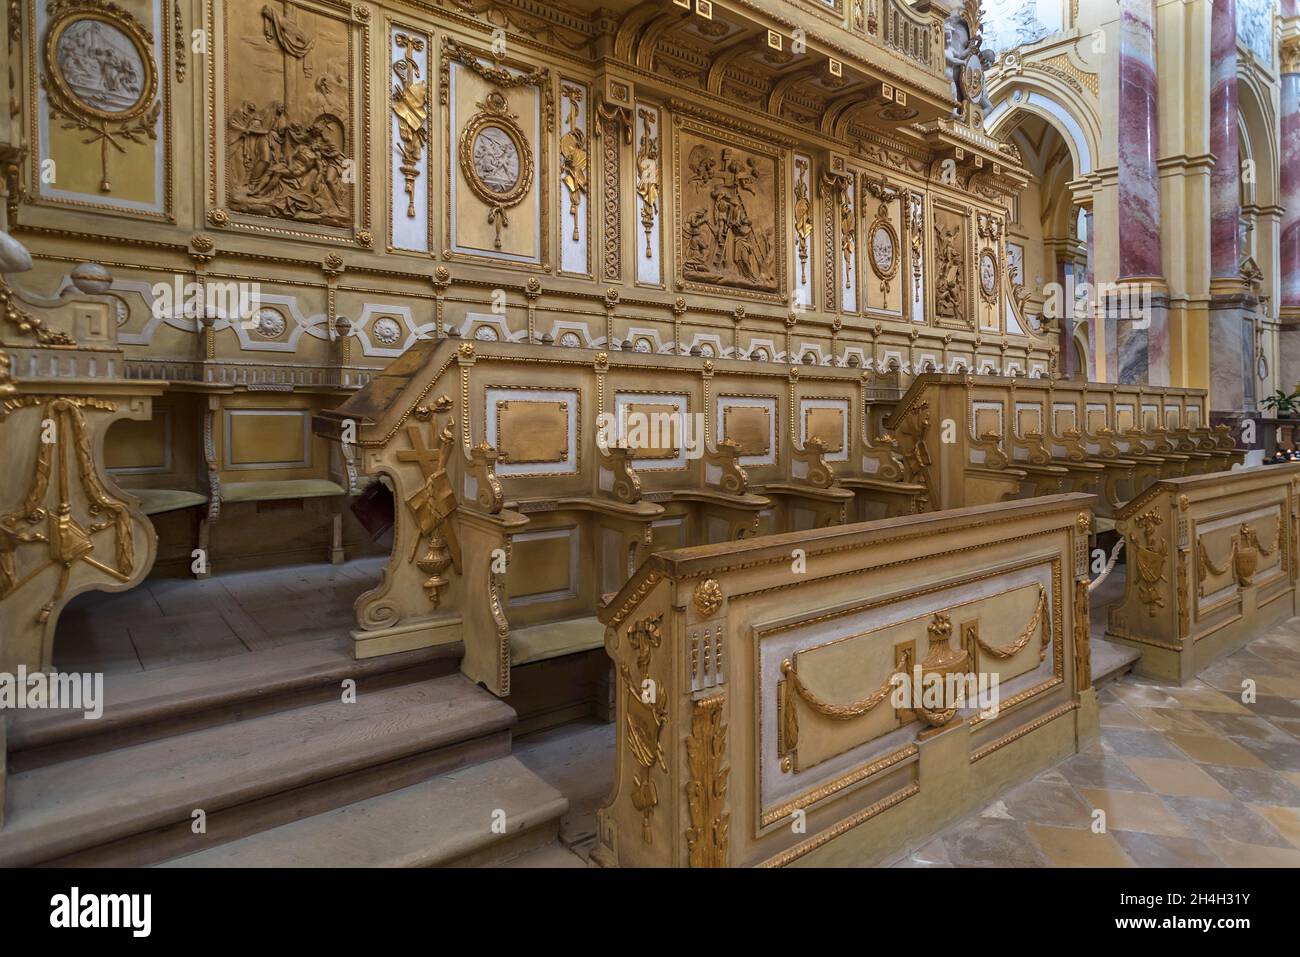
column 1211, row 565
column 760, row 717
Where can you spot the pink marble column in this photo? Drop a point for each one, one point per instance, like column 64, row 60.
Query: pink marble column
column 1290, row 149
column 1225, row 198
column 1139, row 177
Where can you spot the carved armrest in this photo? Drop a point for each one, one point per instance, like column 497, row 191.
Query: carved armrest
column 881, row 459
column 722, row 468
column 617, row 475
column 990, row 444
column 481, row 478
column 808, row 466
column 1032, row 443
column 1071, row 444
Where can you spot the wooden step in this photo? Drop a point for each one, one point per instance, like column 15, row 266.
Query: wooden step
column 154, row 704
column 134, row 805
column 444, row 821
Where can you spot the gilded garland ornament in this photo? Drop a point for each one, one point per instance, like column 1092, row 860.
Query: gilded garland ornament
column 100, row 76
column 411, row 110
column 496, row 159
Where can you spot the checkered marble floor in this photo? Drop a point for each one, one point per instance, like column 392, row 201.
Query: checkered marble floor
column 1187, row 777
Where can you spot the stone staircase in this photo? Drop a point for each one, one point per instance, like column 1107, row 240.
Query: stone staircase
column 281, row 770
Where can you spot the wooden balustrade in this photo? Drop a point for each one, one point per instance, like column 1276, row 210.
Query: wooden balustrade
column 1211, row 563
column 756, row 724
column 513, row 515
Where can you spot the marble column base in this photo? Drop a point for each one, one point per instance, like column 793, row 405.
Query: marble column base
column 1230, row 362
column 1141, row 340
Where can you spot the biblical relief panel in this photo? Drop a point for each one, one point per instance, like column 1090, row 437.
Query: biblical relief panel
column 289, row 113
column 101, row 116
column 951, row 263
column 497, row 166
column 731, row 201
column 409, row 132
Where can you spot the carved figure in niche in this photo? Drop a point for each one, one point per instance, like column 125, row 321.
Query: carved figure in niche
column 724, row 242
column 950, row 283
column 287, row 153
column 966, row 63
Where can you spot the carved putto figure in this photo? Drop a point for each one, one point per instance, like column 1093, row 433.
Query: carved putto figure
column 966, row 63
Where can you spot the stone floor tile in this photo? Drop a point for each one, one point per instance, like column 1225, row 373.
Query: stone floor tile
column 1130, row 742
column 1134, row 811
column 981, row 842
column 1096, row 770
column 1256, row 785
column 1278, row 755
column 1077, row 847
column 1239, row 726
column 1161, row 850
column 1267, row 705
column 1115, row 715
column 1180, row 777
column 1173, row 719
column 1285, row 819
column 1252, row 855
column 1212, row 820
column 1212, row 748
column 1046, row 803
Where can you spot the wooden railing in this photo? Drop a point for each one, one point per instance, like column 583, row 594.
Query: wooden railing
column 1211, row 564
column 976, row 439
column 512, row 515
column 756, row 721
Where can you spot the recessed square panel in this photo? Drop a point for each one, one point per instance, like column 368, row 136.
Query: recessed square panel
column 535, row 431
column 828, row 420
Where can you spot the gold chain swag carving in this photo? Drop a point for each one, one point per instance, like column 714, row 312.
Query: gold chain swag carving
column 855, row 709
column 1036, row 620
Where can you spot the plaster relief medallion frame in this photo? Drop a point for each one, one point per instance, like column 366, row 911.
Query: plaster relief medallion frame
column 126, row 108
column 495, row 159
column 730, row 206
column 500, row 75
column 988, row 276
column 337, row 93
column 882, row 246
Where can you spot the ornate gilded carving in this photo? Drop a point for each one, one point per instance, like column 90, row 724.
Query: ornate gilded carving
column 802, row 215
column 1038, row 622
column 28, row 324
column 707, row 597
column 912, row 434
column 838, row 712
column 573, row 153
column 729, row 214
column 496, row 160
column 411, row 110
column 646, row 717
column 434, row 502
column 290, row 115
column 179, row 40
column 1150, row 550
column 941, row 659
column 64, row 456
column 612, row 120
column 848, row 231
column 100, row 76
column 7, row 386
column 1243, row 557
column 709, row 833
column 647, row 173
column 1082, row 637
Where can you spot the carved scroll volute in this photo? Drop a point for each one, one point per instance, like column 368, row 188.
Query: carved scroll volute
column 482, row 471
column 811, row 461
column 626, row 484
column 65, row 527
column 723, row 470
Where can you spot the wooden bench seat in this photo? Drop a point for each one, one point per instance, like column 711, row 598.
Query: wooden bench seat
column 157, row 501
column 277, row 491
